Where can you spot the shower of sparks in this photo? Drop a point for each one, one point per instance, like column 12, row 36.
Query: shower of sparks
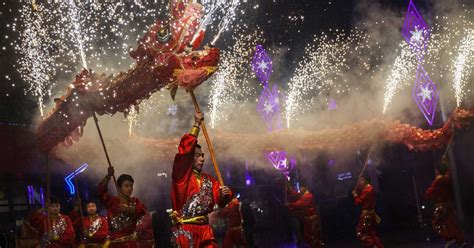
column 463, row 65
column 75, row 20
column 132, row 119
column 229, row 83
column 320, row 71
column 35, row 62
column 54, row 40
column 226, row 21
column 401, row 74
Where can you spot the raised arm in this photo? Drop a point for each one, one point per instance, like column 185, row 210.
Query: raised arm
column 184, row 158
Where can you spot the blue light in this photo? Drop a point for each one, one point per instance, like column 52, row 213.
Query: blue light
column 344, row 176
column 68, row 179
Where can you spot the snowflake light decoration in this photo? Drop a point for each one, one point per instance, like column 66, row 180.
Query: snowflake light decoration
column 269, row 108
column 415, row 30
column 425, row 94
column 262, row 65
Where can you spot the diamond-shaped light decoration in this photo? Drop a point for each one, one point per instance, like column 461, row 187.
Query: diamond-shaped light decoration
column 425, row 94
column 269, row 108
column 278, row 159
column 415, row 30
column 262, row 65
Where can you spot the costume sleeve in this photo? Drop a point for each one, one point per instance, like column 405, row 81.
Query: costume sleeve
column 67, row 238
column 183, row 160
column 361, row 198
column 103, row 193
column 433, row 189
column 35, row 220
column 300, row 204
column 140, row 209
column 227, row 211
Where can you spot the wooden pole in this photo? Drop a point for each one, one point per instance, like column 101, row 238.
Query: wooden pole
column 208, row 140
column 365, row 164
column 48, row 195
column 80, row 203
column 104, row 147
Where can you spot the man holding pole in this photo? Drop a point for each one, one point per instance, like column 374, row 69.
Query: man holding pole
column 56, row 230
column 444, row 219
column 305, row 209
column 364, row 195
column 194, row 193
column 123, row 210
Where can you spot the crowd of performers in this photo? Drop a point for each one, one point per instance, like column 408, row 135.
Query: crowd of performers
column 195, row 194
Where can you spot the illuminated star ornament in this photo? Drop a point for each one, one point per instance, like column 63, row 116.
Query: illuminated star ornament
column 262, row 65
column 424, row 93
column 415, row 30
column 269, row 108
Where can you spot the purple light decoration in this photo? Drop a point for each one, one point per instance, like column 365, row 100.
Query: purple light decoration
column 425, row 94
column 262, row 65
column 344, row 176
column 331, row 162
column 269, row 108
column 31, row 194
column 248, row 177
column 42, row 197
column 332, row 104
column 278, row 159
column 415, row 31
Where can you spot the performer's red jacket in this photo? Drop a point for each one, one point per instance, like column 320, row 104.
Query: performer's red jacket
column 121, row 224
column 96, row 227
column 366, row 198
column 62, row 231
column 192, row 196
column 232, row 214
column 304, row 205
column 440, row 190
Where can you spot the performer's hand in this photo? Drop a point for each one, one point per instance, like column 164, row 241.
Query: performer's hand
column 225, row 191
column 354, row 193
column 198, row 118
column 110, row 171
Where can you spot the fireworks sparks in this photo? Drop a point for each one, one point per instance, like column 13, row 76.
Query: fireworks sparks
column 35, row 59
column 463, row 65
column 76, row 30
column 320, row 71
column 401, row 73
column 132, row 119
column 54, row 39
column 228, row 84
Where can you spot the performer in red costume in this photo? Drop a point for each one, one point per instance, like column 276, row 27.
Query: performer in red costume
column 55, row 231
column 304, row 208
column 145, row 232
column 364, row 195
column 93, row 229
column 444, row 219
column 123, row 211
column 194, row 194
column 234, row 236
